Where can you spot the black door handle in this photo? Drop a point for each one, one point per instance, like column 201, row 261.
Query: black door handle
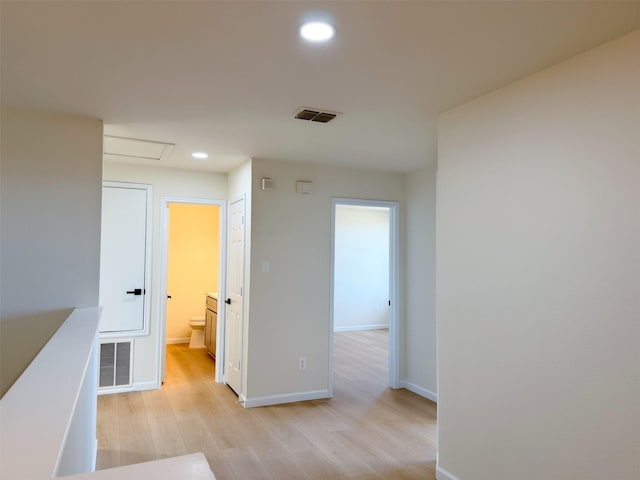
column 169, row 297
column 228, row 301
column 136, row 291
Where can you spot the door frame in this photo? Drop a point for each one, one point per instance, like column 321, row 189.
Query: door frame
column 147, row 259
column 161, row 300
column 394, row 286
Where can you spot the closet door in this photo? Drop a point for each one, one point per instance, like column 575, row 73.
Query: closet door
column 124, row 257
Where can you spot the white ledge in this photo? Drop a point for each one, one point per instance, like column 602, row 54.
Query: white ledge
column 53, row 400
column 185, row 467
column 37, row 410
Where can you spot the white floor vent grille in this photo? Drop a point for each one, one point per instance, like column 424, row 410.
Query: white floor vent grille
column 115, row 364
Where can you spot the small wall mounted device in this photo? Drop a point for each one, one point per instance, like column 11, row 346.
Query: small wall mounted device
column 304, row 187
column 266, row 183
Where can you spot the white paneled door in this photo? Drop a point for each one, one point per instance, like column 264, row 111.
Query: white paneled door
column 234, row 301
column 124, row 258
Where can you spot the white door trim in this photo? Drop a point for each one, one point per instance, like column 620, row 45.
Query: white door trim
column 394, row 287
column 161, row 299
column 147, row 259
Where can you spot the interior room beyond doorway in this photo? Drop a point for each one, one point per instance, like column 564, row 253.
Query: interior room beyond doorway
column 193, row 266
column 364, row 287
column 361, row 271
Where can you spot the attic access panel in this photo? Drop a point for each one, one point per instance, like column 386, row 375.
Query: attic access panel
column 116, row 148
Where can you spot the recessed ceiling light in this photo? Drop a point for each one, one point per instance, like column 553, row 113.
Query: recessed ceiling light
column 317, row 31
column 199, row 155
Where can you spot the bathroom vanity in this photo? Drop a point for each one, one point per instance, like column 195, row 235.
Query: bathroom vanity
column 211, row 323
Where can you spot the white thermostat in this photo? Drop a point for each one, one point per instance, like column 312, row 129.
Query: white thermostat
column 304, row 188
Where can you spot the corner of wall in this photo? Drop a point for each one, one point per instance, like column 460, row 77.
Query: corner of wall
column 419, row 327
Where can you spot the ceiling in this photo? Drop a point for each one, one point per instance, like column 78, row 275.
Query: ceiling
column 227, row 77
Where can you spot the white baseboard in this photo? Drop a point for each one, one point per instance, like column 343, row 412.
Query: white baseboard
column 358, row 328
column 136, row 387
column 423, row 392
column 287, row 398
column 442, row 474
column 171, row 341
column 141, row 386
column 110, row 390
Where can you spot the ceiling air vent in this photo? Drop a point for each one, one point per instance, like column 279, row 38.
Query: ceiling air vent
column 315, row 115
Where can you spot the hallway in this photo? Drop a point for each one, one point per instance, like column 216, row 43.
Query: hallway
column 367, row 431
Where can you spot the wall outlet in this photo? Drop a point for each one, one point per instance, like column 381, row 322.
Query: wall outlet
column 302, row 363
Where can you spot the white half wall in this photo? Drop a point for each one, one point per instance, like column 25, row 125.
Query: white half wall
column 290, row 303
column 166, row 182
column 538, row 234
column 419, row 369
column 361, row 267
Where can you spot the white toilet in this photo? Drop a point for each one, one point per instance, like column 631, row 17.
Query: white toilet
column 197, row 332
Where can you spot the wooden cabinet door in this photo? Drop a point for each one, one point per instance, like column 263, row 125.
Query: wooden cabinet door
column 210, row 331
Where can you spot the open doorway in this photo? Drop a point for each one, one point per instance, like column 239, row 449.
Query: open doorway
column 192, row 276
column 364, row 289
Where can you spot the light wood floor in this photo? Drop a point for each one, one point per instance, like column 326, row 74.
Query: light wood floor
column 367, row 431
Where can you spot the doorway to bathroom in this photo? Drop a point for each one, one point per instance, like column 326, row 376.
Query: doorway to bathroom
column 193, row 277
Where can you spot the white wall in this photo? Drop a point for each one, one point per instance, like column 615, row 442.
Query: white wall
column 50, row 235
column 538, row 233
column 290, row 304
column 419, row 372
column 361, row 267
column 165, row 182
